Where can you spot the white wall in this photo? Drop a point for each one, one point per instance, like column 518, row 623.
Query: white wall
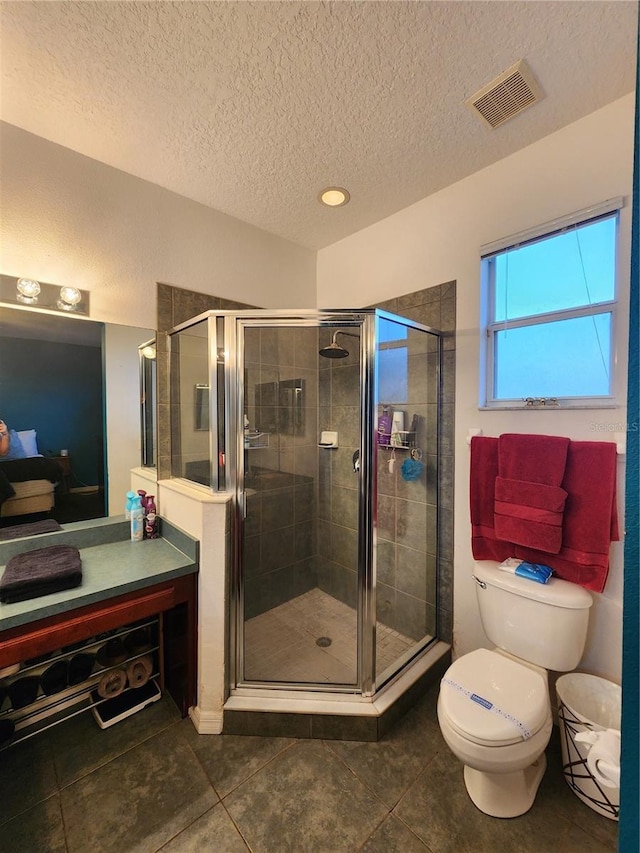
column 437, row 240
column 69, row 219
column 122, row 408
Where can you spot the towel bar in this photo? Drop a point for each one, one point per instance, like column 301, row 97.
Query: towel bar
column 620, row 439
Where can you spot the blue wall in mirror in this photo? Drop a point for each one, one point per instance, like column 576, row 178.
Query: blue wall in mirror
column 56, row 389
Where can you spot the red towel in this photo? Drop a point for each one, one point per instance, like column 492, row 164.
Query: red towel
column 484, row 469
column 590, row 516
column 529, row 500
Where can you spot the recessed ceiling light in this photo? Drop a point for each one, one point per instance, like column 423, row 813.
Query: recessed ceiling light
column 334, row 196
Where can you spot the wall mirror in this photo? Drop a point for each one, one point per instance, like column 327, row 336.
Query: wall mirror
column 75, row 386
column 148, row 400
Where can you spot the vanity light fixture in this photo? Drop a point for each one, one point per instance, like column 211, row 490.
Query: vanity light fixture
column 35, row 295
column 28, row 290
column 334, row 196
column 69, row 298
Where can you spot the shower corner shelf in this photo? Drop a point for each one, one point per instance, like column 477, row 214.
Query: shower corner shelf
column 407, row 441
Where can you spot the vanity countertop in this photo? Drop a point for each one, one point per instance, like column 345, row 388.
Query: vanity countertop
column 108, row 570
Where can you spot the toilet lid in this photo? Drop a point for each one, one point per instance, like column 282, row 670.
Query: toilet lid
column 491, row 699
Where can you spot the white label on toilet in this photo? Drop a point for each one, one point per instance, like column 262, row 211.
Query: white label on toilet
column 524, row 731
column 484, row 702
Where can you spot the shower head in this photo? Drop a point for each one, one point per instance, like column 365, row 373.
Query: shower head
column 334, row 350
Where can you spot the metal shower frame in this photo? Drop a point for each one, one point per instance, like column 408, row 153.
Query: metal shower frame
column 226, row 452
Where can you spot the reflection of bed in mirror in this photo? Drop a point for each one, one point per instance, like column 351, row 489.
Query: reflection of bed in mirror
column 77, row 383
column 27, row 486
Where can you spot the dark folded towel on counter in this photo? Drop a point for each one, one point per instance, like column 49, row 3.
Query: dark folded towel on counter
column 17, row 531
column 41, row 572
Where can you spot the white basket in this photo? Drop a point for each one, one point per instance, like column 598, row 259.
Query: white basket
column 587, row 703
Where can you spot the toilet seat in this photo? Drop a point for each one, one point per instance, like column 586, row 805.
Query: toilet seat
column 492, row 700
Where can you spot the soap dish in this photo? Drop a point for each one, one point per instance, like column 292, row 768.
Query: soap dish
column 328, row 438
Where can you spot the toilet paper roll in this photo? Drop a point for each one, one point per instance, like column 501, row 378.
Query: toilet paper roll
column 603, row 759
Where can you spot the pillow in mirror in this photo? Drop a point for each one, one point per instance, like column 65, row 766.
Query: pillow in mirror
column 16, row 450
column 29, row 442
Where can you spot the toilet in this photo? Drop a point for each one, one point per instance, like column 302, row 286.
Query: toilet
column 493, row 707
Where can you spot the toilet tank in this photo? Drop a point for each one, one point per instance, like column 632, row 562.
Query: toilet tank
column 545, row 624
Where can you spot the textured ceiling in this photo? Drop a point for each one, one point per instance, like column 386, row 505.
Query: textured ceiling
column 252, row 108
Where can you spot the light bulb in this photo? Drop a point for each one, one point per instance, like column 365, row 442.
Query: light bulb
column 69, row 298
column 28, row 290
column 334, row 196
column 70, row 295
column 149, row 352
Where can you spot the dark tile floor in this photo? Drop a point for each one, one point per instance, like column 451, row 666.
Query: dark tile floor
column 151, row 783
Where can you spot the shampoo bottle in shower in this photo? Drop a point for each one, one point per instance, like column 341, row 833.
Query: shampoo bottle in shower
column 384, row 426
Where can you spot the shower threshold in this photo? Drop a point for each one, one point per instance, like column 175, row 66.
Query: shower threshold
column 334, row 716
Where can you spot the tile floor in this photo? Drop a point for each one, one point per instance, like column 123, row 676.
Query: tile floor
column 280, row 644
column 151, row 783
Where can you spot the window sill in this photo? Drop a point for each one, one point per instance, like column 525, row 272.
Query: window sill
column 563, row 407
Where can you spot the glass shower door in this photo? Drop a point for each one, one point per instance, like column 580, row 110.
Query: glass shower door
column 299, row 498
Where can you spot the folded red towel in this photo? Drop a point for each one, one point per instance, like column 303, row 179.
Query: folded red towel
column 533, row 458
column 531, row 495
column 484, row 470
column 529, row 514
column 590, row 517
column 529, row 501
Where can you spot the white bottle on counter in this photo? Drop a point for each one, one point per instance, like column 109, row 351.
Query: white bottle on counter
column 137, row 520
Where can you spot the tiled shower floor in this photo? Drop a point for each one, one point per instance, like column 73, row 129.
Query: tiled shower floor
column 280, row 645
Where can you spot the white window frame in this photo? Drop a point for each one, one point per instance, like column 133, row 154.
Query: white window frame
column 490, row 327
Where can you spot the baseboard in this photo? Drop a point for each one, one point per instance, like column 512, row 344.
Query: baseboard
column 206, row 722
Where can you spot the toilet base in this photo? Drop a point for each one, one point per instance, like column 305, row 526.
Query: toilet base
column 505, row 794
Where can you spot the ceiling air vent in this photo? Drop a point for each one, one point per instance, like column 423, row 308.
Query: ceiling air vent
column 506, row 96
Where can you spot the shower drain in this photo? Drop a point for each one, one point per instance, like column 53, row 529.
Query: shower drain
column 323, row 642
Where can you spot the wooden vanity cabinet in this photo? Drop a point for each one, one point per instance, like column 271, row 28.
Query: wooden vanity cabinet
column 175, row 599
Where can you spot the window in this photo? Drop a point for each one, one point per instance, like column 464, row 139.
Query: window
column 549, row 305
column 392, row 362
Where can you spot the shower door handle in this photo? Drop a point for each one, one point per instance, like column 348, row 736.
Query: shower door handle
column 243, row 502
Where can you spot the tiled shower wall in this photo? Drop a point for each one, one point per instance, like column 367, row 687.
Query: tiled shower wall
column 281, row 392
column 406, row 512
column 436, row 307
column 339, row 410
column 176, row 306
